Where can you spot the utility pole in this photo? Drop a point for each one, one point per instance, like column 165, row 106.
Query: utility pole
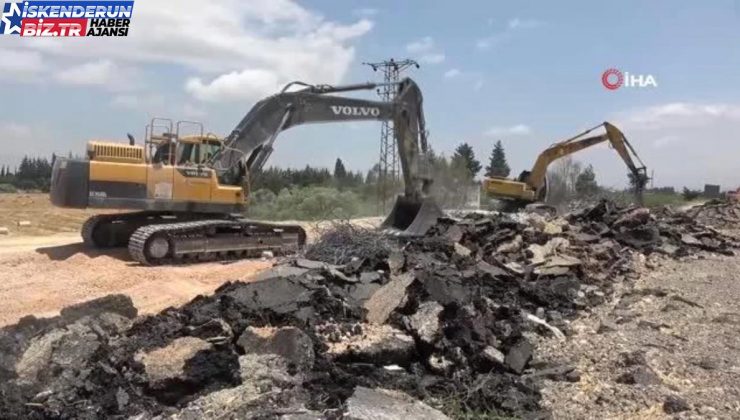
column 388, row 172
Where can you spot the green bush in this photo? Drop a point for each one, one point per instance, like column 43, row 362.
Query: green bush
column 689, row 195
column 27, row 185
column 7, row 188
column 306, row 203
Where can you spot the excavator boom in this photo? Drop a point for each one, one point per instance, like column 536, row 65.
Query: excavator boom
column 251, row 142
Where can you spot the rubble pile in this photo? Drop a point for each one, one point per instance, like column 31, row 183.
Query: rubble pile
column 668, row 232
column 441, row 325
column 717, row 213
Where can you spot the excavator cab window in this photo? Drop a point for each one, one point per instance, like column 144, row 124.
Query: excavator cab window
column 208, row 149
column 189, row 154
column 163, row 154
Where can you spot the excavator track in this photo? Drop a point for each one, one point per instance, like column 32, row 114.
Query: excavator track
column 113, row 230
column 207, row 240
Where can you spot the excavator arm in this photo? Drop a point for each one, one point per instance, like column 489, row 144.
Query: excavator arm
column 250, row 144
column 536, row 178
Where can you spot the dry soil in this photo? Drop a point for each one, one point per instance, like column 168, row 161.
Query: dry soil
column 681, row 322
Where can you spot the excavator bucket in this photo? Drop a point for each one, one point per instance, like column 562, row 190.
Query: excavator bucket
column 412, row 217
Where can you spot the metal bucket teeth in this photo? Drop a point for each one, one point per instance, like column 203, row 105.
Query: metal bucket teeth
column 412, row 217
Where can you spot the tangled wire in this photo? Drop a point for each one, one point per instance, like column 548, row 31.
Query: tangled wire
column 342, row 241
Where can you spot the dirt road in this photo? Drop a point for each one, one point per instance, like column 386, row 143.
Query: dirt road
column 44, row 266
column 39, row 275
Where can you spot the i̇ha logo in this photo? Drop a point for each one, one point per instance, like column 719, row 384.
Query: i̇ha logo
column 613, row 79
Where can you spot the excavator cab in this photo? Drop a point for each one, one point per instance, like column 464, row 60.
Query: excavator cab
column 197, row 150
column 168, row 147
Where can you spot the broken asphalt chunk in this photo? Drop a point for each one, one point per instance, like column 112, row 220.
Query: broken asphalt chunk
column 674, row 404
column 519, row 356
column 387, row 298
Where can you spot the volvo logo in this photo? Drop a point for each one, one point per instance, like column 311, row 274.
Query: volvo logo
column 356, row 111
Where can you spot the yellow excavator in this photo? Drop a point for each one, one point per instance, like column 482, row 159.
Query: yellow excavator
column 190, row 189
column 531, row 186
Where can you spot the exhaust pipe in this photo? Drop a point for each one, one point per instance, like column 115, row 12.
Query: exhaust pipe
column 412, row 217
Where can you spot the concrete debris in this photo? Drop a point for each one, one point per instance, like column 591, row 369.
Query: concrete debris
column 370, row 277
column 396, row 260
column 690, row 240
column 538, row 253
column 288, row 342
column 511, row 246
column 716, row 213
column 24, row 223
column 440, row 364
column 454, row 234
column 461, row 250
column 494, row 355
column 4, row 230
column 383, row 404
column 377, row 344
column 424, row 324
column 309, row 264
column 168, row 363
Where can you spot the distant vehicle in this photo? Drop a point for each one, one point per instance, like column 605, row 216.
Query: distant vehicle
column 531, row 186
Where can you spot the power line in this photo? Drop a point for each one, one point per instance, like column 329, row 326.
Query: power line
column 388, row 163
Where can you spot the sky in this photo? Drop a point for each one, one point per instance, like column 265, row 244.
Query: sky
column 527, row 73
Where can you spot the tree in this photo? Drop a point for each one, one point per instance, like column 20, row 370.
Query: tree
column 586, row 182
column 497, row 165
column 561, row 180
column 372, row 174
column 340, row 172
column 342, row 178
column 464, row 155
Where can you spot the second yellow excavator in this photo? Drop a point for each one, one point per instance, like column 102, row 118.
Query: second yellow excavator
column 531, row 186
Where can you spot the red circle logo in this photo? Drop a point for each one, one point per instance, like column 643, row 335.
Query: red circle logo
column 612, row 79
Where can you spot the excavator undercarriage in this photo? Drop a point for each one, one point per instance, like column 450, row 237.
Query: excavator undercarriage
column 156, row 238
